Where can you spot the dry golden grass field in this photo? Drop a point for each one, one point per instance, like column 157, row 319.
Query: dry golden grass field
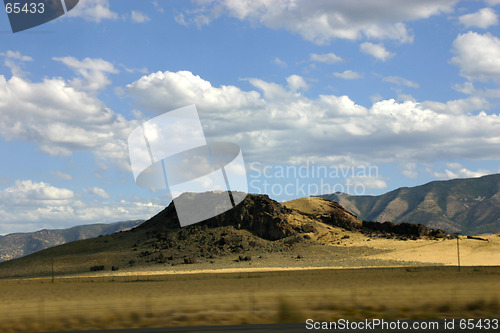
column 189, row 299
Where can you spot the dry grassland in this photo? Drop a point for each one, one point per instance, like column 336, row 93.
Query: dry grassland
column 128, row 301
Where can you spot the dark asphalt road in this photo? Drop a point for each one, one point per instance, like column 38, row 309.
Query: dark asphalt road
column 226, row 329
column 440, row 326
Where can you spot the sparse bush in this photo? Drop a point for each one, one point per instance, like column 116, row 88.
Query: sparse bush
column 189, row 260
column 444, row 308
column 293, row 240
column 161, row 259
column 308, row 227
column 476, row 305
column 97, row 268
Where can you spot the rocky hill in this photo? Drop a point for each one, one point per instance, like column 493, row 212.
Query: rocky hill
column 257, row 228
column 470, row 206
column 21, row 244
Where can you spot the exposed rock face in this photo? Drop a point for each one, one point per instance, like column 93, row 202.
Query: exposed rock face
column 258, row 214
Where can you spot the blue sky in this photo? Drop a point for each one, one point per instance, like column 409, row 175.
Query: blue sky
column 357, row 96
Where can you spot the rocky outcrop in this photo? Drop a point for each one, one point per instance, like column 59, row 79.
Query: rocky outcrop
column 258, row 214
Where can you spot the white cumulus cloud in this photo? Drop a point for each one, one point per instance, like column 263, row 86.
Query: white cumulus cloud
column 93, row 71
column 17, row 55
column 97, row 191
column 348, row 75
column 274, row 124
column 279, row 62
column 15, row 61
column 61, row 117
column 456, row 170
column 93, row 10
column 458, row 106
column 139, row 17
column 377, row 51
column 400, row 81
column 61, row 175
column 296, row 82
column 26, row 191
column 327, row 58
column 322, row 21
column 477, row 56
column 484, row 18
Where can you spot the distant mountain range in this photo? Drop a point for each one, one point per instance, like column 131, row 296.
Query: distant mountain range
column 470, row 206
column 21, row 244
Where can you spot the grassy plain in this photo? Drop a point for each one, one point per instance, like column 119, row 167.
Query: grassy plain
column 189, row 299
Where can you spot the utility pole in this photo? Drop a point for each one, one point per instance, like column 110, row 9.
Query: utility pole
column 458, row 249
